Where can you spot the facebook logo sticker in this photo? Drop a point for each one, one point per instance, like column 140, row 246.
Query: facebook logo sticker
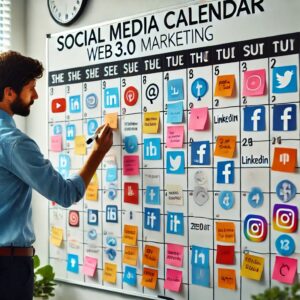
column 255, row 118
column 112, row 213
column 152, row 219
column 175, row 162
column 153, row 195
column 152, row 149
column 175, row 223
column 175, row 90
column 200, row 153
column 284, row 79
column 75, row 104
column 70, row 132
column 111, row 97
column 92, row 217
column 225, row 171
column 284, row 117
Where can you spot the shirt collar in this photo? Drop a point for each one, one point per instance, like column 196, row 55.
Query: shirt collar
column 5, row 116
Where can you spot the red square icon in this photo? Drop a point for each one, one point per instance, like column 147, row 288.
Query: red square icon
column 58, row 105
column 74, row 218
column 131, row 192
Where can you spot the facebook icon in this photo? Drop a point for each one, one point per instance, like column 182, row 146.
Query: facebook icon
column 152, row 149
column 255, row 118
column 284, row 117
column 152, row 219
column 225, row 171
column 200, row 153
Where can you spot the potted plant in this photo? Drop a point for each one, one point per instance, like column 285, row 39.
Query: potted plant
column 275, row 293
column 43, row 280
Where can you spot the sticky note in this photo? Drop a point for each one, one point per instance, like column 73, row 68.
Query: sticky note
column 110, row 273
column 175, row 136
column 91, row 193
column 56, row 236
column 130, row 276
column 284, row 160
column 200, row 276
column 151, row 122
column 131, row 192
column 80, row 145
column 151, row 256
column 56, row 143
column 225, row 85
column 226, row 279
column 130, row 233
column 149, row 278
column 254, row 82
column 225, row 255
column 175, row 112
column 174, row 194
column 225, row 146
column 225, row 232
column 130, row 255
column 131, row 165
column 89, row 266
column 173, row 280
column 112, row 120
column 252, row 267
column 198, row 118
column 174, row 255
column 285, row 269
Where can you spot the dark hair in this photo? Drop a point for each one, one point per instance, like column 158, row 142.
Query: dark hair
column 17, row 70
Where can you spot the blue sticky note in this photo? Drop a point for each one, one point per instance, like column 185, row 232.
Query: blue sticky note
column 256, row 197
column 255, row 118
column 57, row 129
column 75, row 104
column 175, row 112
column 175, row 162
column 200, row 256
column 70, row 132
column 112, row 213
column 284, row 117
column 153, row 195
column 111, row 174
column 175, row 223
column 152, row 149
column 131, row 143
column 200, row 276
column 284, row 79
column 200, row 153
column 152, row 219
column 199, row 88
column 92, row 125
column 73, row 264
column 92, row 217
column 111, row 97
column 130, row 275
column 175, row 90
column 225, row 172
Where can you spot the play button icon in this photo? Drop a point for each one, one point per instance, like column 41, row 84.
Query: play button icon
column 58, row 105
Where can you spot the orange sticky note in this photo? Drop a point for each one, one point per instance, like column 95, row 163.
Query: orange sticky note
column 225, row 232
column 130, row 233
column 80, row 145
column 56, row 236
column 226, row 279
column 225, row 146
column 110, row 273
column 92, row 192
column 130, row 255
column 149, row 278
column 225, row 85
column 151, row 122
column 252, row 267
column 284, row 160
column 112, row 120
column 151, row 256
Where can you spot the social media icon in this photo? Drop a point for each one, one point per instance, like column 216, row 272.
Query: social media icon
column 200, row 257
column 64, row 161
column 255, row 228
column 284, row 79
column 284, row 117
column 153, row 195
column 131, row 96
column 200, row 195
column 111, row 97
column 175, row 90
column 152, row 92
column 111, row 174
column 92, row 125
column 92, row 217
column 57, row 129
column 75, row 104
column 70, row 132
column 112, row 191
column 200, row 153
column 58, row 105
column 256, row 197
column 91, row 101
column 152, row 219
column 255, row 118
column 226, row 199
column 225, row 172
column 92, row 234
column 130, row 276
column 285, row 245
column 175, row 162
column 286, row 190
column 131, row 192
column 111, row 241
column 152, row 149
column 199, row 88
column 112, row 213
column 254, row 82
column 175, row 224
column 285, row 218
column 74, row 218
column 131, row 143
column 284, row 159
column 73, row 263
column 111, row 254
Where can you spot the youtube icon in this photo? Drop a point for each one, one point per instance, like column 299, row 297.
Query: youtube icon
column 58, row 105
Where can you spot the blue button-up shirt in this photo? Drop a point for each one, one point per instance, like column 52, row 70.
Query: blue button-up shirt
column 23, row 167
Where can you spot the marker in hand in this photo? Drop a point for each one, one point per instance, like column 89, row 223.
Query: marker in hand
column 96, row 135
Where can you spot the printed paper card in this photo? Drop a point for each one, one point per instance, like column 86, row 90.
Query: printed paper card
column 131, row 165
column 80, row 145
column 89, row 266
column 151, row 122
column 151, row 256
column 198, row 118
column 226, row 279
column 200, row 256
column 149, row 278
column 225, row 255
column 112, row 120
column 174, row 255
column 130, row 276
column 56, row 143
column 130, row 256
column 130, row 233
column 225, row 85
column 252, row 267
column 173, row 280
column 174, row 195
column 285, row 269
column 175, row 136
column 110, row 273
column 225, row 232
column 175, row 112
column 56, row 236
column 284, row 160
column 225, row 146
column 254, row 82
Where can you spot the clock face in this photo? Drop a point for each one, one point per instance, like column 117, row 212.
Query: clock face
column 65, row 12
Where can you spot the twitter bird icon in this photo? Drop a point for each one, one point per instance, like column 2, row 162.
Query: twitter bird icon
column 284, row 79
column 175, row 162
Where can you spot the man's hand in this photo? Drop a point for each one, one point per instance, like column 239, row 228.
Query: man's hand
column 104, row 140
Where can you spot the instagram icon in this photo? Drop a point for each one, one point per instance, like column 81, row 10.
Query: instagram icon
column 285, row 218
column 255, row 228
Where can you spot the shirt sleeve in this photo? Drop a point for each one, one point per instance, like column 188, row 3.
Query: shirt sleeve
column 29, row 164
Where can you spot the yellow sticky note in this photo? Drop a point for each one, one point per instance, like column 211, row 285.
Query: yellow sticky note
column 226, row 279
column 110, row 273
column 225, row 85
column 151, row 256
column 80, row 145
column 130, row 235
column 252, row 267
column 130, row 255
column 92, row 192
column 151, row 122
column 56, row 236
column 149, row 278
column 225, row 146
column 112, row 120
column 225, row 232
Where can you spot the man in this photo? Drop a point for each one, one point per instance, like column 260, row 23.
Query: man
column 23, row 167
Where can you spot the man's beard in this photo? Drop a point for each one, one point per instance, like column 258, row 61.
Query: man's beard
column 18, row 108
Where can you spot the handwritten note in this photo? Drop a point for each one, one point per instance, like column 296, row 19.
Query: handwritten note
column 151, row 122
column 110, row 273
column 252, row 267
column 175, row 112
column 173, row 280
column 112, row 120
column 225, row 255
column 225, row 146
column 285, row 269
column 151, row 256
column 175, row 136
column 254, row 82
column 198, row 118
column 226, row 279
column 130, row 255
column 56, row 143
column 91, row 193
column 130, row 235
column 131, row 164
column 225, row 85
column 89, row 266
column 56, row 236
column 225, row 232
column 174, row 195
column 174, row 255
column 80, row 145
column 149, row 278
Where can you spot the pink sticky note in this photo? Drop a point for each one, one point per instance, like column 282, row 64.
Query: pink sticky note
column 56, row 143
column 175, row 136
column 254, row 82
column 173, row 280
column 174, row 256
column 285, row 269
column 89, row 266
column 198, row 118
column 131, row 165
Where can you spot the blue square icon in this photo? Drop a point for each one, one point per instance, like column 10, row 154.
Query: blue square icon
column 200, row 257
column 75, row 104
column 175, row 223
column 64, row 161
column 112, row 213
column 92, row 125
column 73, row 264
column 175, row 162
column 92, row 217
column 111, row 97
column 200, row 153
column 70, row 132
column 284, row 117
column 152, row 219
column 153, row 195
column 284, row 79
column 175, row 90
column 130, row 276
column 255, row 118
column 225, row 171
column 200, row 276
column 152, row 149
column 57, row 129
